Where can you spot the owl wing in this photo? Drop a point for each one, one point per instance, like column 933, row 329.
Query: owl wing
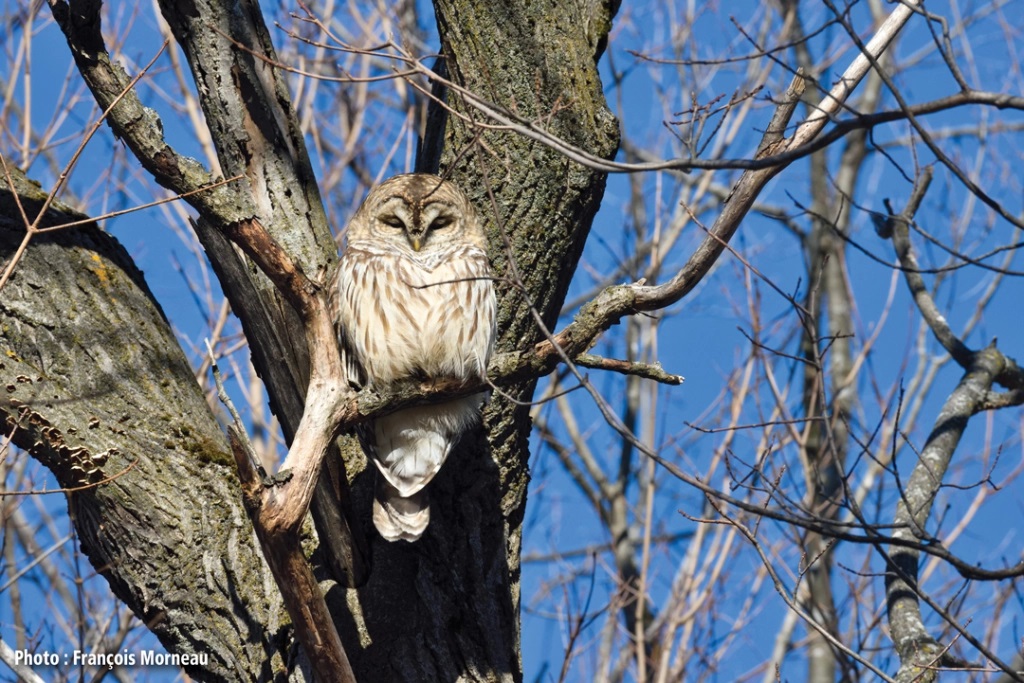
column 343, row 305
column 482, row 310
column 461, row 316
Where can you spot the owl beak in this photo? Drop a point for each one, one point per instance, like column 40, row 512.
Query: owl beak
column 416, row 241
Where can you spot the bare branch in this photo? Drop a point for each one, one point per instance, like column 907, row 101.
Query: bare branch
column 139, row 126
column 1010, row 374
column 652, row 371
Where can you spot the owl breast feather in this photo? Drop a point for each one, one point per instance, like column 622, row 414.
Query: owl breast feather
column 418, row 317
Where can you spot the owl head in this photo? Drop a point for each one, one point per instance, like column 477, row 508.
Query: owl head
column 417, row 213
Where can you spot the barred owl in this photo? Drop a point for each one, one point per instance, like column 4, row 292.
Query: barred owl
column 413, row 298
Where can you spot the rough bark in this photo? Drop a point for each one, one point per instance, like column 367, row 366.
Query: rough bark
column 97, row 388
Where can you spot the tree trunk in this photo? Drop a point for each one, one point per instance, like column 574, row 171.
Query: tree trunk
column 98, row 390
column 447, row 608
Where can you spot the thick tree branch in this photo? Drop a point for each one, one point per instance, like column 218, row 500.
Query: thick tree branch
column 137, row 125
column 897, row 227
column 247, row 105
column 919, row 652
column 917, row 649
column 98, row 390
column 300, row 589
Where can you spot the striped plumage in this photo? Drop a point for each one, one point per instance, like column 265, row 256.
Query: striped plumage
column 414, row 299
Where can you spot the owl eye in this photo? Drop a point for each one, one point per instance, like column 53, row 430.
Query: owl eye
column 393, row 221
column 440, row 222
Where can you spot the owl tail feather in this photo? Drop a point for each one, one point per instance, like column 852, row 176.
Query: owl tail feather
column 398, row 518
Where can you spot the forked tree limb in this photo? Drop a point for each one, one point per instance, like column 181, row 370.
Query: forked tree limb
column 299, row 588
column 920, row 653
